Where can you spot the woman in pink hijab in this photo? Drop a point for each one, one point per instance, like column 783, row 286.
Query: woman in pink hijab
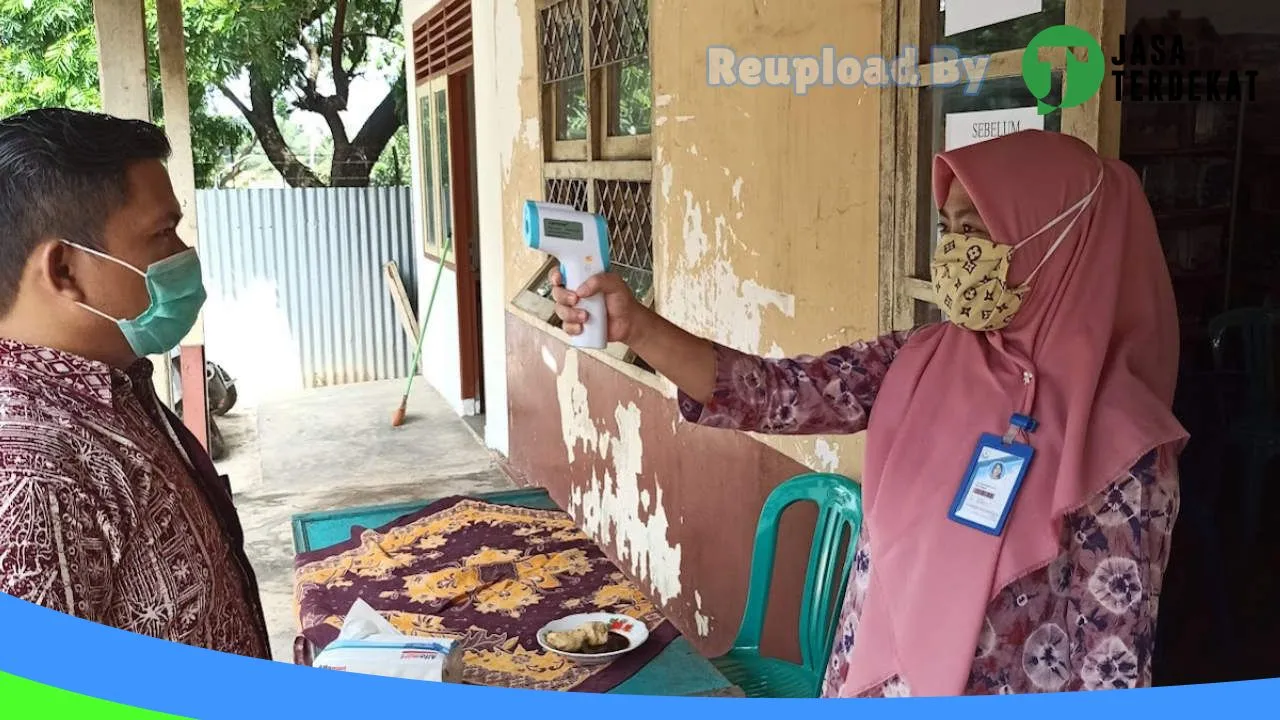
column 1020, row 480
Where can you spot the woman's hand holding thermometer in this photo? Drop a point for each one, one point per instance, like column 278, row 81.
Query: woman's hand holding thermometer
column 686, row 360
column 580, row 241
column 621, row 310
column 597, row 308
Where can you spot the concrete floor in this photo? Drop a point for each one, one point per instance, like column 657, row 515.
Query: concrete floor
column 334, row 448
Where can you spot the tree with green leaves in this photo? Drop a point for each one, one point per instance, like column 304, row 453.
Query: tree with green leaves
column 291, row 55
column 303, row 55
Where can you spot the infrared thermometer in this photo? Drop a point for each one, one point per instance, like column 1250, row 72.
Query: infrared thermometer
column 580, row 241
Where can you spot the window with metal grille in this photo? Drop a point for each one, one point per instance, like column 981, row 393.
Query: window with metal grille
column 597, row 98
column 563, row 70
column 620, row 45
column 597, row 105
column 568, row 191
column 627, row 208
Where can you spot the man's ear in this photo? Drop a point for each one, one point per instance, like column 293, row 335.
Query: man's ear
column 53, row 267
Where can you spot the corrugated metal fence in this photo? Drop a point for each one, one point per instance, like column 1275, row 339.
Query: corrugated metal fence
column 306, row 263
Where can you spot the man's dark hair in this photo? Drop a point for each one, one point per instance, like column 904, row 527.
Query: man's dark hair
column 62, row 174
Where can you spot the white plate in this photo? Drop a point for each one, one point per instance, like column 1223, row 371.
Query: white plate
column 630, row 628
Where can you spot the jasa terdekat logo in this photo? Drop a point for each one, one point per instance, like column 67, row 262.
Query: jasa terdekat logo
column 1165, row 68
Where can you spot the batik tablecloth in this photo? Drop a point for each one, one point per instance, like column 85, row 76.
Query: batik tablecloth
column 491, row 575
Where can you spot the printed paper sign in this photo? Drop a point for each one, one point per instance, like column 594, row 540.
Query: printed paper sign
column 965, row 15
column 967, row 128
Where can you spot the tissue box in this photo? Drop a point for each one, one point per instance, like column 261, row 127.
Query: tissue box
column 368, row 644
column 431, row 659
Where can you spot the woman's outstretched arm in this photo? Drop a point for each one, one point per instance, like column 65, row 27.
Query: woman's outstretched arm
column 830, row 393
column 721, row 387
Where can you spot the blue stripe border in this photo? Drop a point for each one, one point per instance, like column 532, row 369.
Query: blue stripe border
column 110, row 664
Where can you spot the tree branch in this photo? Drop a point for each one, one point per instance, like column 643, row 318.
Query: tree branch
column 385, row 120
column 369, row 36
column 341, row 80
column 236, row 167
column 353, row 167
column 313, row 62
column 358, row 52
column 260, row 114
column 328, row 107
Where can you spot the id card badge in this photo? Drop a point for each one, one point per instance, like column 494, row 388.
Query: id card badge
column 992, row 481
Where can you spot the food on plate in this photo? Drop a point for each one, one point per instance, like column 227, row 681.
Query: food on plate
column 587, row 636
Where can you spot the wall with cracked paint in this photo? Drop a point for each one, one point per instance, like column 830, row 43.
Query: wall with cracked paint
column 674, row 505
column 765, row 238
column 517, row 129
column 766, row 204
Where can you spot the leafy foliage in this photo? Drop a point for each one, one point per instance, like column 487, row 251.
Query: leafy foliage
column 297, row 55
column 633, row 111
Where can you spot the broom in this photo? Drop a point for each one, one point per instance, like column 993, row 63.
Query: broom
column 397, row 419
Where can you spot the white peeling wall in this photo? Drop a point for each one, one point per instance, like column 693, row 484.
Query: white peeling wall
column 490, row 111
column 441, row 363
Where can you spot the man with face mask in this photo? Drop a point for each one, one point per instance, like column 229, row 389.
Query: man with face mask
column 109, row 509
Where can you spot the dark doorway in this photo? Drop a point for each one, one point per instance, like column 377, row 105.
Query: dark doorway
column 1210, row 166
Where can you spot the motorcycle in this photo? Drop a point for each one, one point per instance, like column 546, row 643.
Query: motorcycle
column 220, row 390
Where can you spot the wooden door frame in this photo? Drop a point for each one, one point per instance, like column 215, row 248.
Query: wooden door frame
column 465, row 235
column 460, row 205
column 443, row 61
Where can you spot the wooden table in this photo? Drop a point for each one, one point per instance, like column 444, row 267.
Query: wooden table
column 679, row 670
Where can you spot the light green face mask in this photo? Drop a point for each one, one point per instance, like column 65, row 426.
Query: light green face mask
column 177, row 293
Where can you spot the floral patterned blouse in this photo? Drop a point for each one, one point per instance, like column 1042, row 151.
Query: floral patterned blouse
column 1085, row 622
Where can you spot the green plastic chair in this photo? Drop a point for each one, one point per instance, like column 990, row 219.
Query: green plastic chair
column 839, row 502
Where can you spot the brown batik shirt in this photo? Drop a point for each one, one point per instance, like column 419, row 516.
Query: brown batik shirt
column 111, row 511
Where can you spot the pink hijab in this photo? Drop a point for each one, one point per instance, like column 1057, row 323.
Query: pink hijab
column 1098, row 333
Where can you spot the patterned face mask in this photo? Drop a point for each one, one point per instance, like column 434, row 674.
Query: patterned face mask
column 969, row 274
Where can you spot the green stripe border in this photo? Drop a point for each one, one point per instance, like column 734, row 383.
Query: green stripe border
column 22, row 699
